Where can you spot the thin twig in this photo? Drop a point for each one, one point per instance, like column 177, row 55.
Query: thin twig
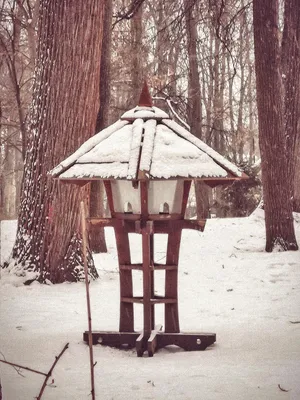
column 18, row 370
column 84, row 247
column 282, row 389
column 22, row 367
column 50, row 371
column 129, row 13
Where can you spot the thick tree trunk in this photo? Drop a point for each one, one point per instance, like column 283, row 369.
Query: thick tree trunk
column 64, row 109
column 290, row 59
column 97, row 235
column 296, row 205
column 275, row 152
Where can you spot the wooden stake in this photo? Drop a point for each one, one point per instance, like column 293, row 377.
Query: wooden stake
column 90, row 336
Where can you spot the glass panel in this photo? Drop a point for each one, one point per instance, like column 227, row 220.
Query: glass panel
column 165, row 195
column 124, row 194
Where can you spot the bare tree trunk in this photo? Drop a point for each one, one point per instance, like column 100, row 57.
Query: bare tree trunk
column 275, row 152
column 240, row 126
column 297, row 177
column 194, row 101
column 194, row 90
column 96, row 234
column 64, row 109
column 290, row 59
column 137, row 65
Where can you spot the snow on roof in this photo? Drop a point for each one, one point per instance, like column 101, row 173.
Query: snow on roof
column 87, row 146
column 145, row 113
column 175, row 156
column 145, row 143
column 218, row 158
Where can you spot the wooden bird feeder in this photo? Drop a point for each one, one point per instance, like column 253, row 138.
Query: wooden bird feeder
column 147, row 163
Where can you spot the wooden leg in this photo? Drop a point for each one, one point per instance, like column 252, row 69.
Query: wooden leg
column 126, row 309
column 141, row 345
column 152, row 341
column 171, row 283
column 146, row 283
column 152, row 280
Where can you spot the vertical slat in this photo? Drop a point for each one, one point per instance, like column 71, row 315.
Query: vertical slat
column 126, row 309
column 144, row 200
column 147, row 243
column 171, row 283
column 108, row 189
column 185, row 197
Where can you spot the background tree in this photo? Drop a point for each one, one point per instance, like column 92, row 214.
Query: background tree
column 17, row 51
column 290, row 59
column 277, row 138
column 97, row 198
column 63, row 114
column 194, row 106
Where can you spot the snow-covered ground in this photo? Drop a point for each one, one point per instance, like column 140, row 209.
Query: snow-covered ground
column 227, row 285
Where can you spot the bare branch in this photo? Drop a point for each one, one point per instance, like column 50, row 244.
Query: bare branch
column 129, row 13
column 50, row 371
column 22, row 367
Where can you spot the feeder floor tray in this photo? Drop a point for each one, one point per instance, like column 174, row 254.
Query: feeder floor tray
column 150, row 343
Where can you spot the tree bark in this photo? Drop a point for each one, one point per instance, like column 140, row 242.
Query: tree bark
column 194, row 101
column 136, row 56
column 290, row 59
column 275, row 152
column 97, row 234
column 296, row 203
column 64, row 109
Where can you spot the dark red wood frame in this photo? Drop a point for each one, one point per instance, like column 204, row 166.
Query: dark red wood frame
column 152, row 337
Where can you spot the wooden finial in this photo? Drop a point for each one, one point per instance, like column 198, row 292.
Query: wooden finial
column 145, row 97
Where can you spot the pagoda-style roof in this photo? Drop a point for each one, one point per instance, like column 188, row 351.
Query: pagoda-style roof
column 146, row 144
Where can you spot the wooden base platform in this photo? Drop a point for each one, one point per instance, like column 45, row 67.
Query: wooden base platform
column 150, row 343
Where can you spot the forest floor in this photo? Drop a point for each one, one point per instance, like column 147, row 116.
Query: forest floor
column 227, row 285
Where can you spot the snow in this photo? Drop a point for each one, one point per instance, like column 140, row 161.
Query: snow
column 151, row 142
column 150, row 129
column 7, row 236
column 115, row 148
column 174, row 156
column 227, row 285
column 138, row 127
column 203, row 146
column 105, row 170
column 144, row 113
column 87, row 146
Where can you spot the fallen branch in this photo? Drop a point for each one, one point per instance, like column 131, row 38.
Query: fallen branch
column 84, row 247
column 47, row 375
column 22, row 367
column 50, row 371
